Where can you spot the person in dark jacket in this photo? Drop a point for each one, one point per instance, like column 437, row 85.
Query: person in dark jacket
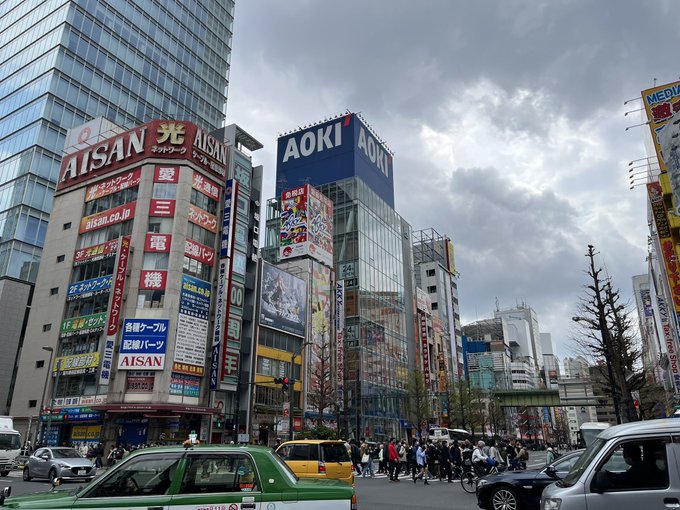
column 445, row 462
column 433, row 460
column 456, row 458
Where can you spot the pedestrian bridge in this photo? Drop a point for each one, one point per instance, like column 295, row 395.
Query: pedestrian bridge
column 543, row 398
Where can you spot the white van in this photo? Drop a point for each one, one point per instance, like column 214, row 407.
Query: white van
column 631, row 466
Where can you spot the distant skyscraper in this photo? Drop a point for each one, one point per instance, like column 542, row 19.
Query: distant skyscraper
column 65, row 63
column 529, row 315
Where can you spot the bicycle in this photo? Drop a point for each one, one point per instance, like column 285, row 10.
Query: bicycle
column 469, row 478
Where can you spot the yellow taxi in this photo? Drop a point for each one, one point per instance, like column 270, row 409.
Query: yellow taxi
column 318, row 458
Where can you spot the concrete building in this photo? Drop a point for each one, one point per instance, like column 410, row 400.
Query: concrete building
column 146, row 291
column 551, row 363
column 66, row 63
column 527, row 314
column 487, row 355
column 372, row 257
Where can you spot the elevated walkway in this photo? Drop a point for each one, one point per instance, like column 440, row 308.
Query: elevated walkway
column 543, row 398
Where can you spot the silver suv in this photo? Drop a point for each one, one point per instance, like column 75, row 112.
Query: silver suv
column 631, row 466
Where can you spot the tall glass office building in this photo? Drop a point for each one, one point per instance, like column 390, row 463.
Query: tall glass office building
column 373, row 257
column 66, row 62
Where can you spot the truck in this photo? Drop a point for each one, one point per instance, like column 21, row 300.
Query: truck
column 10, row 445
column 589, row 431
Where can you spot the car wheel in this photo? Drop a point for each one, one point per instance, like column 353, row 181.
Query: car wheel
column 52, row 474
column 26, row 475
column 504, row 498
column 4, row 473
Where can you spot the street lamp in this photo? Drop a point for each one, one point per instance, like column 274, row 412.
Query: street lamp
column 47, row 378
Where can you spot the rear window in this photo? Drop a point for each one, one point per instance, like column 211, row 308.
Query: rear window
column 299, row 452
column 335, row 453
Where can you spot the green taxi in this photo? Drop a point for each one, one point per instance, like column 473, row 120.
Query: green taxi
column 201, row 478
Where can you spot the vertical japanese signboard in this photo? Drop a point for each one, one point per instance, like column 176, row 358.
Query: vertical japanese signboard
column 114, row 309
column 425, row 348
column 192, row 326
column 340, row 336
column 219, row 321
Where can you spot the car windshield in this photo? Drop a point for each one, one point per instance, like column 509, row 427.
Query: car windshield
column 66, row 453
column 10, row 441
column 582, row 463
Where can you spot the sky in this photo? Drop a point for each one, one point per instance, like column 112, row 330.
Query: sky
column 506, row 119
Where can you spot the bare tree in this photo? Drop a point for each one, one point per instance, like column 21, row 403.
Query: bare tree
column 321, row 396
column 417, row 399
column 607, row 337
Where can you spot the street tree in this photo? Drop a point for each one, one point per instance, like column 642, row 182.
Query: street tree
column 321, row 395
column 417, row 400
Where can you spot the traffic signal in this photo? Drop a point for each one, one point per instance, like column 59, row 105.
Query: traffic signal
column 283, row 381
column 219, row 423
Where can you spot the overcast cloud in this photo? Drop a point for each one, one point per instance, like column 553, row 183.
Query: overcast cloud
column 506, row 119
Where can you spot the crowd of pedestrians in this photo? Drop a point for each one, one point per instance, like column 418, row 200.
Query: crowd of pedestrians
column 426, row 459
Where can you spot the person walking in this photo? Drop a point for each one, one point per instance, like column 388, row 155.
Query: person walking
column 433, row 460
column 549, row 456
column 401, row 450
column 381, row 458
column 456, row 459
column 367, row 461
column 421, row 461
column 511, row 455
column 393, row 461
column 445, row 462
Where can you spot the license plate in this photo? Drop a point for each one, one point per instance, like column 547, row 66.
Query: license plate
column 81, row 471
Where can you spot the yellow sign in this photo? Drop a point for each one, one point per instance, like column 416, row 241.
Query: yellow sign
column 86, row 432
column 77, row 364
column 660, row 104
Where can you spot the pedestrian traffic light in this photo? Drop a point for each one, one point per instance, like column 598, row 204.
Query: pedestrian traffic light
column 219, row 423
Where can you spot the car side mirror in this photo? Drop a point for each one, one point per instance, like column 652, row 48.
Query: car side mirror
column 45, row 456
column 600, row 482
column 551, row 472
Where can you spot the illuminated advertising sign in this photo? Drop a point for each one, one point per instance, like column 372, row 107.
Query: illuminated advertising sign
column 143, row 344
column 283, row 301
column 202, row 218
column 660, row 104
column 87, row 288
column 157, row 243
column 158, row 139
column 670, row 341
column 77, row 364
column 95, row 253
column 162, row 207
column 138, row 383
column 334, row 150
column 204, row 185
column 228, row 219
column 425, row 348
column 200, row 252
column 167, row 174
column 222, row 282
column 152, row 279
column 185, row 385
column 110, row 217
column 118, row 183
column 340, row 335
column 83, row 325
column 666, row 242
column 450, row 261
column 306, row 225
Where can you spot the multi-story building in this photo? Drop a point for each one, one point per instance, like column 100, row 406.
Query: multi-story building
column 372, row 257
column 435, row 273
column 551, row 363
column 527, row 315
column 65, row 63
column 486, row 354
column 146, row 291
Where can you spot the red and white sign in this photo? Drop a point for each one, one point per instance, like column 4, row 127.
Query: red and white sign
column 110, row 217
column 159, row 243
column 204, row 185
column 164, row 173
column 200, row 252
column 139, row 361
column 162, row 207
column 202, row 218
column 118, row 183
column 152, row 279
column 230, row 363
column 118, row 285
column 96, row 251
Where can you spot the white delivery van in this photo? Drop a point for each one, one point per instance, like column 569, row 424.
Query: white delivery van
column 628, row 467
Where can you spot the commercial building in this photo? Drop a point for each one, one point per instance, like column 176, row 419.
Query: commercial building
column 523, row 321
column 372, row 258
column 146, row 291
column 487, row 355
column 65, row 63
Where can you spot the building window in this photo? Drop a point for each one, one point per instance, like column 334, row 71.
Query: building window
column 67, row 225
column 40, row 363
column 150, row 299
column 47, row 327
column 430, row 272
column 435, row 306
column 32, row 403
column 54, row 291
column 61, row 258
column 432, row 289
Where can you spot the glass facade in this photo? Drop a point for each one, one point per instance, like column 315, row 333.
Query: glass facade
column 369, row 256
column 66, row 62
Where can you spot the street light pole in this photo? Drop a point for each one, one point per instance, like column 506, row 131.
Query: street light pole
column 47, row 378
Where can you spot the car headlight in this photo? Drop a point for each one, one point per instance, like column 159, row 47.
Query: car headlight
column 481, row 482
column 551, row 504
column 61, row 466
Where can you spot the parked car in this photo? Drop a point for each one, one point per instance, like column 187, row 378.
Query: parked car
column 318, row 458
column 629, row 466
column 58, row 462
column 521, row 490
column 227, row 476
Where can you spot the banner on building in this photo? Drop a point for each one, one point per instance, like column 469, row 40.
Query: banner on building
column 340, row 337
column 222, row 282
column 76, row 364
column 166, row 174
column 109, row 217
column 670, row 340
column 96, row 252
column 83, row 325
column 202, row 184
column 200, row 252
column 283, row 301
column 192, row 323
column 425, row 348
column 162, row 207
column 320, row 364
column 660, row 104
column 228, row 221
column 157, row 243
column 122, row 181
column 88, row 288
column 143, row 344
column 202, row 218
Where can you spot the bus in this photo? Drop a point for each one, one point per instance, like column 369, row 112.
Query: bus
column 589, row 431
column 449, row 435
